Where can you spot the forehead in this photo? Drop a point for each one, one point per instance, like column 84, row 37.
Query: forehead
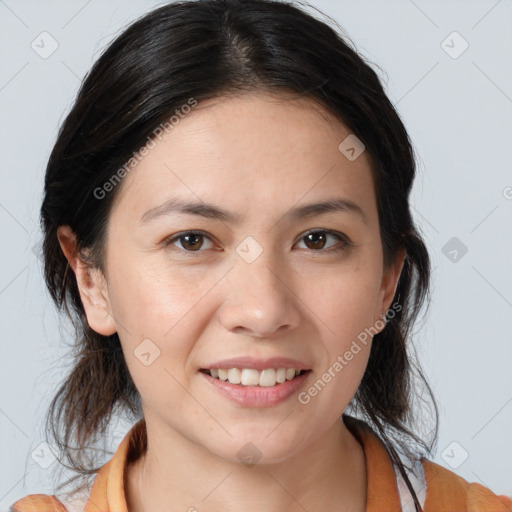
column 254, row 149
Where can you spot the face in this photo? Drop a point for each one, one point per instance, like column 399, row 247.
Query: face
column 260, row 275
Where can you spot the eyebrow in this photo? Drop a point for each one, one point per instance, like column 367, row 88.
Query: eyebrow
column 201, row 209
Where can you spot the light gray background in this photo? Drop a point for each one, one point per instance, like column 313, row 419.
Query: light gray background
column 458, row 112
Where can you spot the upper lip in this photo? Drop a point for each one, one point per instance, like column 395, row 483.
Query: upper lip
column 258, row 364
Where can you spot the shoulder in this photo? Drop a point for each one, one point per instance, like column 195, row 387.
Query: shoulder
column 445, row 490
column 75, row 500
column 38, row 503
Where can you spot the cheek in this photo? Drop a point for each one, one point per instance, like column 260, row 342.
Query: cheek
column 345, row 304
column 346, row 301
column 158, row 324
column 151, row 300
column 160, row 315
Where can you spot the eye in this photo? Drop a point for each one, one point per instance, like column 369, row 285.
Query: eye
column 316, row 240
column 193, row 241
column 190, row 241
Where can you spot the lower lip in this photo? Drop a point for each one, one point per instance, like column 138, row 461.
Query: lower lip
column 257, row 396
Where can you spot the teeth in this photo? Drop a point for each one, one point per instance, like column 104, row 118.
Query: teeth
column 251, row 377
column 281, row 375
column 234, row 375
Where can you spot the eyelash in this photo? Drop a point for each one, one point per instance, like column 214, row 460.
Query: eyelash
column 346, row 243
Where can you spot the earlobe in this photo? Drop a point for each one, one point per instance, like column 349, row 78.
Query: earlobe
column 91, row 283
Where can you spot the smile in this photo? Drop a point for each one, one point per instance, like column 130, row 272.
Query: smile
column 251, row 377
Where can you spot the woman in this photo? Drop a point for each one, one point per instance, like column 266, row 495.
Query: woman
column 226, row 217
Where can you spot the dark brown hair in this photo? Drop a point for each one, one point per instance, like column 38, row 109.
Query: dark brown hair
column 208, row 49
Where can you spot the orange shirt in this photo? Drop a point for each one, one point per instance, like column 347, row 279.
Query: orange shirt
column 445, row 491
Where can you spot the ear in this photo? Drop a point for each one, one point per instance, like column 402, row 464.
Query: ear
column 389, row 283
column 91, row 284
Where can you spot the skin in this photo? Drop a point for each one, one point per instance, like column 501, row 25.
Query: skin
column 258, row 156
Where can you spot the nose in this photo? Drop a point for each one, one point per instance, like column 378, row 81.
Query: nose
column 259, row 299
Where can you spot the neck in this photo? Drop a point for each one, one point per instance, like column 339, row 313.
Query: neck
column 178, row 475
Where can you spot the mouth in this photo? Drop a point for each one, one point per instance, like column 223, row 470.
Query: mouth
column 269, row 377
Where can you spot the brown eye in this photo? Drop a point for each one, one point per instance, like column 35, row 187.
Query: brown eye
column 190, row 241
column 317, row 240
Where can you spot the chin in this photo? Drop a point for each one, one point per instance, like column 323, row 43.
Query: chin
column 257, row 450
